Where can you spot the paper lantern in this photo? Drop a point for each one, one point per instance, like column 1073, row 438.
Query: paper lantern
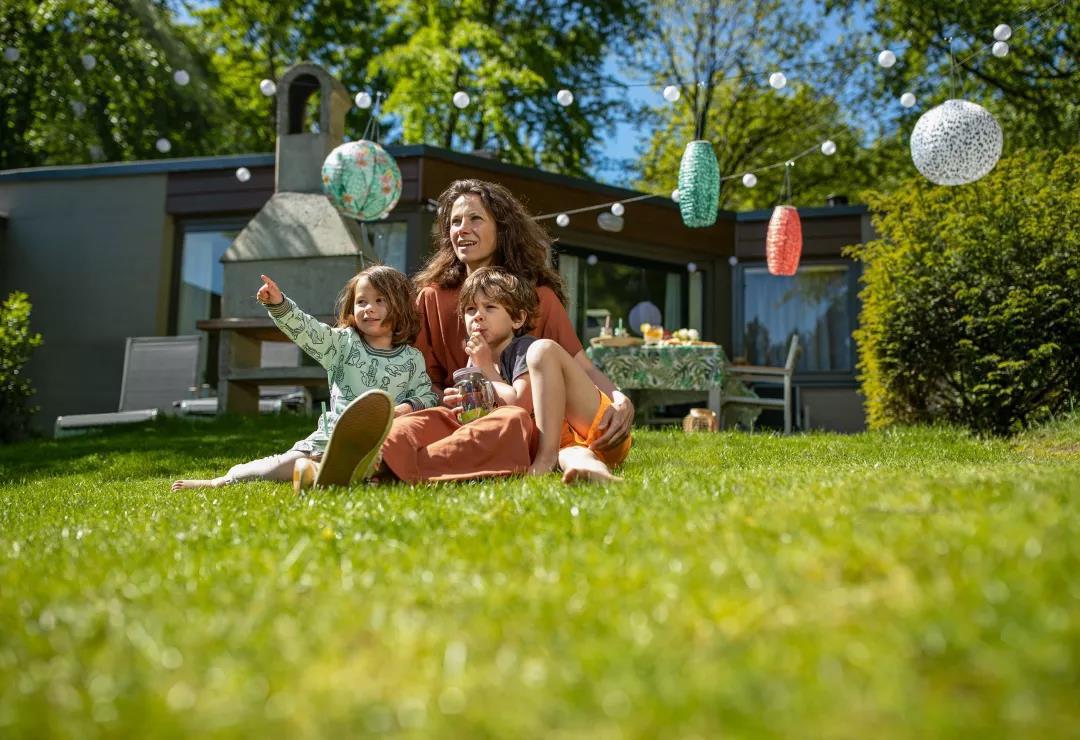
column 783, row 241
column 956, row 143
column 699, row 185
column 361, row 180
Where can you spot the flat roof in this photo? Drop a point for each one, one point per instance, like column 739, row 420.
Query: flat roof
column 232, row 161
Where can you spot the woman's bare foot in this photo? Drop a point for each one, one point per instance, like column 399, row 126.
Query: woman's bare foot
column 181, row 484
column 581, row 465
column 543, row 464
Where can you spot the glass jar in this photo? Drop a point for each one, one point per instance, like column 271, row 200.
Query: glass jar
column 477, row 393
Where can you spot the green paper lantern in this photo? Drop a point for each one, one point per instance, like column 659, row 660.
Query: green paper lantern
column 699, row 185
column 362, row 180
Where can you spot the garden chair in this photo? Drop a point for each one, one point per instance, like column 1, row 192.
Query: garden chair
column 768, row 374
column 157, row 372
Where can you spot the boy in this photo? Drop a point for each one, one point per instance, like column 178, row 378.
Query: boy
column 535, row 374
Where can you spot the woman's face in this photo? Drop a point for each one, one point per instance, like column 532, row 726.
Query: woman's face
column 472, row 232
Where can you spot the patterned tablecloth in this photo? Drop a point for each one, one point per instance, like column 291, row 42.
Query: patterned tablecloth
column 674, row 368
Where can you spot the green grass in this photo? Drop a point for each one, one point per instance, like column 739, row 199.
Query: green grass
column 920, row 582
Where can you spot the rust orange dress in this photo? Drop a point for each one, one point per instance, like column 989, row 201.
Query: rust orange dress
column 432, row 445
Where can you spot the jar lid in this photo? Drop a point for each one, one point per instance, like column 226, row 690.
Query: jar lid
column 467, row 372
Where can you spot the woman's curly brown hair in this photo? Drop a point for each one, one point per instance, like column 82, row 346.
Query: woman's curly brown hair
column 522, row 246
column 400, row 297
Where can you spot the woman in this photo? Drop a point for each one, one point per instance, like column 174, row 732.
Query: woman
column 478, row 224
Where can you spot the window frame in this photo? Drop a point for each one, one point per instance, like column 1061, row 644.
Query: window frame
column 831, row 378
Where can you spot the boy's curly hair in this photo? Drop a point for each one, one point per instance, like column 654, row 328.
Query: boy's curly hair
column 511, row 292
column 400, row 297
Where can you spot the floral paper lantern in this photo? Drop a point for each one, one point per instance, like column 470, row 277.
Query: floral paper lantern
column 361, row 180
column 956, row 143
column 699, row 185
column 783, row 241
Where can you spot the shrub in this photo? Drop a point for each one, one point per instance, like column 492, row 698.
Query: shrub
column 17, row 343
column 971, row 304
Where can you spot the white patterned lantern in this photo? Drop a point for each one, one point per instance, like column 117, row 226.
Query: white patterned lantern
column 956, row 143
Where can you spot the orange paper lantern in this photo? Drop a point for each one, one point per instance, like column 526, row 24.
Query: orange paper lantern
column 783, row 242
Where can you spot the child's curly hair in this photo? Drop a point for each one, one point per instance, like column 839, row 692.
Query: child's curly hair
column 400, row 297
column 522, row 245
column 517, row 296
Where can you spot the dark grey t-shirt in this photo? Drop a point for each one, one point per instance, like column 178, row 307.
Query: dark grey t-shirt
column 512, row 362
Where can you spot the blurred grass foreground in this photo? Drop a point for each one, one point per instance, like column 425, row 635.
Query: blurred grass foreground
column 915, row 582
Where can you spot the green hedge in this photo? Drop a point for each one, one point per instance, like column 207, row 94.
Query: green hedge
column 971, row 298
column 17, row 343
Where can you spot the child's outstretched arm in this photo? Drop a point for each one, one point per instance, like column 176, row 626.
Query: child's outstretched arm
column 310, row 334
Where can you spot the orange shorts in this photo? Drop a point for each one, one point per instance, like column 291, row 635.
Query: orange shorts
column 610, row 457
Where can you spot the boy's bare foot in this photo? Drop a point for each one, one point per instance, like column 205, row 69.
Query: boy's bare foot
column 181, row 484
column 581, row 465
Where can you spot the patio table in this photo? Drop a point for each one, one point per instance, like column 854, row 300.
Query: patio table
column 677, row 368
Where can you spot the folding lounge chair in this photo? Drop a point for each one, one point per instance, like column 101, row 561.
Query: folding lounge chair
column 768, row 374
column 157, row 372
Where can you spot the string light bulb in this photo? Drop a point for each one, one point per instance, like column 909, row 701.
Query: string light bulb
column 267, row 87
column 181, row 77
column 886, row 59
column 591, row 260
column 828, row 148
column 461, row 99
column 671, row 93
column 691, row 267
column 562, row 220
column 564, row 97
column 618, row 209
column 749, row 179
column 675, row 195
column 243, row 174
column 1003, row 32
column 363, row 99
column 163, row 145
column 907, row 100
column 778, row 80
column 999, row 49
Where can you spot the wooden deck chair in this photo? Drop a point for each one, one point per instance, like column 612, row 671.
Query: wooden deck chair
column 157, row 372
column 768, row 374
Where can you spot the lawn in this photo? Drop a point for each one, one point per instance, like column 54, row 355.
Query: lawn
column 917, row 582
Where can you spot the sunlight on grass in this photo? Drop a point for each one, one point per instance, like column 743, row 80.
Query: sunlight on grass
column 911, row 582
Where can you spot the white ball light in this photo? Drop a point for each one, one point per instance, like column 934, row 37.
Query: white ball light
column 777, row 80
column 78, row 108
column 565, row 97
column 691, row 267
column 591, row 260
column 956, row 143
column 562, row 220
column 267, row 87
column 749, row 179
column 886, row 59
column 828, row 147
column 999, row 49
column 163, row 145
column 1003, row 32
column 461, row 99
column 11, row 54
column 671, row 93
column 243, row 174
column 363, row 100
column 675, row 195
column 907, row 100
column 733, row 260
column 88, row 62
column 618, row 209
column 181, row 77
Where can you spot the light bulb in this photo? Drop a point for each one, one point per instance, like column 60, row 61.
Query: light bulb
column 886, row 59
column 777, row 80
column 691, row 267
column 749, row 179
column 163, row 145
column 243, row 174
column 999, row 49
column 562, row 220
column 907, row 100
column 363, row 100
column 181, row 77
column 1003, row 32
column 675, row 195
column 461, row 99
column 267, row 87
column 565, row 97
column 591, row 260
column 671, row 93
column 828, row 148
column 733, row 260
column 618, row 209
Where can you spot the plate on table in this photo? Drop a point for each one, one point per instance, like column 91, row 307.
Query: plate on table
column 615, row 341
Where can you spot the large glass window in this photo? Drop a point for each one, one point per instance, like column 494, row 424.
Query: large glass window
column 601, row 286
column 815, row 302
